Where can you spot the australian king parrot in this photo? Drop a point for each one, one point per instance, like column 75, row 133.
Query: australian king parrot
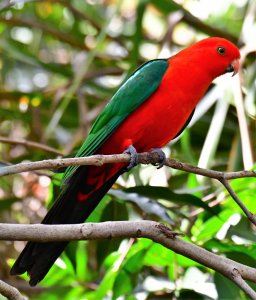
column 149, row 109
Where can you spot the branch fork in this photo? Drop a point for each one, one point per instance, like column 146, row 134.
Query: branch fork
column 157, row 232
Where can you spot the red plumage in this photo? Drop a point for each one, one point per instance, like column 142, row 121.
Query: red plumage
column 156, row 120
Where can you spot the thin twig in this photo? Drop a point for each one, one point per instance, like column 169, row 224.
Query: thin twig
column 31, row 23
column 207, row 172
column 78, row 14
column 31, row 144
column 228, row 187
column 204, row 27
column 157, row 232
column 238, row 279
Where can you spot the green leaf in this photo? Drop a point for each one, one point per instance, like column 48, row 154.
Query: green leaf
column 7, row 203
column 245, row 189
column 209, row 228
column 126, row 279
column 134, row 263
column 158, row 255
column 166, row 6
column 226, row 288
column 106, row 284
column 190, row 294
column 228, row 246
column 242, row 258
column 146, row 204
column 158, row 192
column 71, row 252
column 82, row 271
column 95, row 216
column 123, row 284
column 113, row 211
column 242, row 230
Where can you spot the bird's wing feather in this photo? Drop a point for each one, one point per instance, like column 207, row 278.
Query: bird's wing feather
column 138, row 88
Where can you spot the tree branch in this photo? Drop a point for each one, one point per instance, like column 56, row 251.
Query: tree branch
column 31, row 23
column 249, row 215
column 144, row 158
column 10, row 292
column 238, row 273
column 157, row 232
column 237, row 278
column 31, row 144
column 100, row 160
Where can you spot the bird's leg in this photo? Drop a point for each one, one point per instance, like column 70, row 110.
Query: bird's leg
column 134, row 157
column 161, row 155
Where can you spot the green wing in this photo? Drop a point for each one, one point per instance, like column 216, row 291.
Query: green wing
column 138, row 88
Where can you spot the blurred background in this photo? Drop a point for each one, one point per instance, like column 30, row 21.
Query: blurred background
column 60, row 62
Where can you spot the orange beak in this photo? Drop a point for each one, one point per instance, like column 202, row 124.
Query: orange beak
column 233, row 67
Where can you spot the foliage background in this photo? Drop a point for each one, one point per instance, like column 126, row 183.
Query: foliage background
column 60, row 63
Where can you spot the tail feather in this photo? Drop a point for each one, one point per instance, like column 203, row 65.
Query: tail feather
column 37, row 258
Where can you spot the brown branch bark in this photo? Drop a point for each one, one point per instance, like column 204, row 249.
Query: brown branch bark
column 144, row 158
column 238, row 273
column 249, row 215
column 237, row 278
column 210, row 30
column 99, row 160
column 10, row 292
column 157, row 232
column 31, row 144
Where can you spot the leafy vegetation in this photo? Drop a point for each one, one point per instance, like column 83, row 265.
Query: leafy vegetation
column 60, row 63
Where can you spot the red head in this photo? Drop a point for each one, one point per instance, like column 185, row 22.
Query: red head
column 217, row 55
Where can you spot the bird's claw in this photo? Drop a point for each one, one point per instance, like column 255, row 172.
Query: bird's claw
column 134, row 157
column 161, row 155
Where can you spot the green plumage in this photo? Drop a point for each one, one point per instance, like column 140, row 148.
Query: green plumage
column 138, row 88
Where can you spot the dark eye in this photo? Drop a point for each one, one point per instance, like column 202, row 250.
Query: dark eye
column 221, row 50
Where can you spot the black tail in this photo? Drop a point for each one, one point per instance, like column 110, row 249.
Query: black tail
column 37, row 258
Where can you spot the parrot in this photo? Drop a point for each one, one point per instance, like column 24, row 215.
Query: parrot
column 152, row 107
